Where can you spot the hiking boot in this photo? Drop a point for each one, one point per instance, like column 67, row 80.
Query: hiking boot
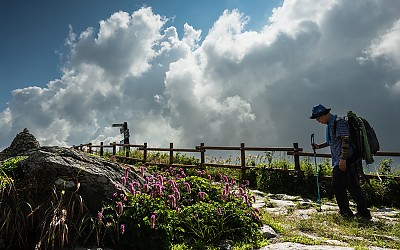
column 364, row 215
column 347, row 214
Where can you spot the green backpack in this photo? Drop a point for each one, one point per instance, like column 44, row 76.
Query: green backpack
column 363, row 139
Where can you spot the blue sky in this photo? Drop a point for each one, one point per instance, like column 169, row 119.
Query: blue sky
column 218, row 72
column 34, row 32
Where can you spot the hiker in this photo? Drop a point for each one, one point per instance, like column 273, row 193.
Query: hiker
column 344, row 174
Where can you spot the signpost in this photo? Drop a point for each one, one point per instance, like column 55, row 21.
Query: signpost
column 123, row 129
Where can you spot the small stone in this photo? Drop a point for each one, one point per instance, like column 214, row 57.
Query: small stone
column 268, row 232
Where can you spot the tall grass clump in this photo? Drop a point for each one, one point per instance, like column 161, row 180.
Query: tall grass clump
column 14, row 209
column 33, row 220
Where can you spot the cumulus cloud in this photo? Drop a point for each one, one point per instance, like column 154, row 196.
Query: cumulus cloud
column 386, row 47
column 229, row 86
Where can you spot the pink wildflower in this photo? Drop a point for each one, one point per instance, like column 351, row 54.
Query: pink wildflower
column 120, row 207
column 224, row 195
column 100, row 215
column 115, row 194
column 246, row 198
column 142, row 169
column 127, row 169
column 227, row 188
column 122, row 228
column 147, row 179
column 173, row 201
column 172, row 183
column 209, row 177
column 177, row 193
column 146, row 188
column 116, row 186
column 132, row 189
column 161, row 179
column 241, row 191
column 202, row 195
column 123, row 181
column 183, row 174
column 153, row 220
column 158, row 188
column 219, row 211
column 187, row 185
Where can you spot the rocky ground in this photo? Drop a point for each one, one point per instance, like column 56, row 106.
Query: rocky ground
column 289, row 205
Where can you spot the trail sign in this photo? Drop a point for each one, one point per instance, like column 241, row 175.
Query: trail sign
column 126, row 133
column 118, row 125
column 123, row 129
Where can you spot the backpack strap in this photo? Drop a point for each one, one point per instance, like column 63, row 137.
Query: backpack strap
column 335, row 125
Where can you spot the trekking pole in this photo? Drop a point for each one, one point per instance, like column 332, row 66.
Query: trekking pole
column 316, row 170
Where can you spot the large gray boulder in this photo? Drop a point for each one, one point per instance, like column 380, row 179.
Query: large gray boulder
column 93, row 178
column 60, row 168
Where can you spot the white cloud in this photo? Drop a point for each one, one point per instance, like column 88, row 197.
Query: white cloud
column 232, row 86
column 386, row 47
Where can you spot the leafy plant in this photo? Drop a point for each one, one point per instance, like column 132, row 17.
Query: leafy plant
column 171, row 208
column 10, row 166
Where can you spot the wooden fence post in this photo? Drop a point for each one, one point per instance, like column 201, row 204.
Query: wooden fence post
column 296, row 156
column 114, row 145
column 171, row 154
column 101, row 148
column 243, row 160
column 144, row 153
column 127, row 150
column 202, row 155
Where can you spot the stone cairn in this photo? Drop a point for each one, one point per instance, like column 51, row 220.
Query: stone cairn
column 23, row 143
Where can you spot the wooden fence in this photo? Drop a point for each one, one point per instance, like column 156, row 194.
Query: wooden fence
column 294, row 151
column 201, row 149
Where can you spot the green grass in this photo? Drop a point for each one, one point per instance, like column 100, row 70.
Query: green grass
column 320, row 227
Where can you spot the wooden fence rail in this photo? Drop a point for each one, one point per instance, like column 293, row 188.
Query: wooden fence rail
column 201, row 149
column 294, row 151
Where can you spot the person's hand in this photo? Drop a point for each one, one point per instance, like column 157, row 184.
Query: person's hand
column 342, row 165
column 315, row 146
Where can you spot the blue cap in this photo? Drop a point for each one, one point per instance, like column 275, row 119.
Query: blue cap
column 319, row 110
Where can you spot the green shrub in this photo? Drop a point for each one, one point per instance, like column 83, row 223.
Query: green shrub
column 168, row 210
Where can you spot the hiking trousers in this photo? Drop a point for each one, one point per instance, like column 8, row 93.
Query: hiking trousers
column 343, row 181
